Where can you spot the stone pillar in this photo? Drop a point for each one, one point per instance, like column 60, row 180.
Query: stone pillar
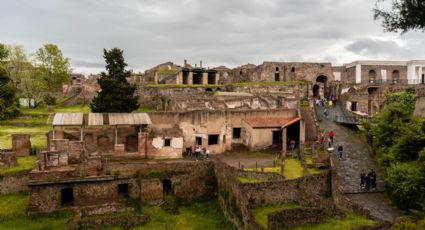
column 156, row 77
column 204, row 78
column 282, row 166
column 190, row 78
column 21, row 144
column 217, row 78
column 302, row 131
column 420, row 75
column 179, row 79
column 143, row 144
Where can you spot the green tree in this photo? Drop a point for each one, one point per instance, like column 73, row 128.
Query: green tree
column 406, row 185
column 4, row 52
column 53, row 66
column 7, row 91
column 27, row 79
column 116, row 95
column 403, row 16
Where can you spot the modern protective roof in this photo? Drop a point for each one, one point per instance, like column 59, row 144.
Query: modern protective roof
column 129, row 119
column 68, row 119
column 97, row 119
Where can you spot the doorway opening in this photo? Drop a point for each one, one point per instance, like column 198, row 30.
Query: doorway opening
column 167, row 186
column 67, row 197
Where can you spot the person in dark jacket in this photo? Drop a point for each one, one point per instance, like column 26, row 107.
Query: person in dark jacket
column 340, row 151
column 362, row 179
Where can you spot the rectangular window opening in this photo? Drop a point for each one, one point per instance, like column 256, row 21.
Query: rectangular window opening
column 236, row 133
column 167, row 142
column 213, row 139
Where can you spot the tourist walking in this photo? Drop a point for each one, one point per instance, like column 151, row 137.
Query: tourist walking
column 331, row 136
column 326, row 112
column 362, row 179
column 340, row 151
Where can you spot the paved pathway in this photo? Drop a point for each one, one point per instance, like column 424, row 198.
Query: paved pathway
column 357, row 157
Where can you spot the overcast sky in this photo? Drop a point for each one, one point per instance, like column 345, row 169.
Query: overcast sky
column 229, row 32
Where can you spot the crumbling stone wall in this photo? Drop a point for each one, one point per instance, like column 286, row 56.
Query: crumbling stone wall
column 203, row 123
column 13, row 183
column 237, row 199
column 292, row 71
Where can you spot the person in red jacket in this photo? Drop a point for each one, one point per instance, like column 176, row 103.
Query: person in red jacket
column 331, row 136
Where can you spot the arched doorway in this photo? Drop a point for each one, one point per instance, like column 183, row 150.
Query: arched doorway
column 324, row 80
column 395, row 76
column 372, row 76
column 316, row 89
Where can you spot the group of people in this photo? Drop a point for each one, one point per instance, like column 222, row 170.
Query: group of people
column 199, row 152
column 368, row 181
column 331, row 141
column 326, row 102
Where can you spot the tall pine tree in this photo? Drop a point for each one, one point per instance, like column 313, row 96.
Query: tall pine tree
column 116, row 95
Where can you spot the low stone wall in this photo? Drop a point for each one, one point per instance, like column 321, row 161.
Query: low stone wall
column 13, row 183
column 99, row 222
column 295, row 217
column 341, row 200
column 260, row 175
column 236, row 199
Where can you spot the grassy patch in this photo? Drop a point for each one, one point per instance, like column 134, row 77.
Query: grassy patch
column 73, row 109
column 260, row 213
column 293, row 168
column 24, row 163
column 251, row 180
column 13, row 215
column 144, row 110
column 200, row 215
column 38, row 135
column 315, row 170
column 350, row 222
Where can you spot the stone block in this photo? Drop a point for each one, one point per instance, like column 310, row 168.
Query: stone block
column 8, row 159
column 21, row 144
column 151, row 191
column 119, row 148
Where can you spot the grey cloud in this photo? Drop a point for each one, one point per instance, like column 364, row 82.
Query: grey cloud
column 229, row 33
column 377, row 47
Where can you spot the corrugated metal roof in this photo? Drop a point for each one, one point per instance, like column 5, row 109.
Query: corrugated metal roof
column 65, row 119
column 129, row 119
column 95, row 119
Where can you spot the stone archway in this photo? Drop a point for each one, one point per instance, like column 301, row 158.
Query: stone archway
column 322, row 80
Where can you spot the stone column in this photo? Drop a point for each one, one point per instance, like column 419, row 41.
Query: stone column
column 302, row 131
column 282, row 167
column 420, row 75
column 143, row 144
column 179, row 79
column 190, row 78
column 217, row 78
column 156, row 77
column 204, row 78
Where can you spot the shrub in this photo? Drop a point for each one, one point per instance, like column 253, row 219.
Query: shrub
column 49, row 100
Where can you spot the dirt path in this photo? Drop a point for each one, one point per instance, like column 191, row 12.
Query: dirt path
column 357, row 157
